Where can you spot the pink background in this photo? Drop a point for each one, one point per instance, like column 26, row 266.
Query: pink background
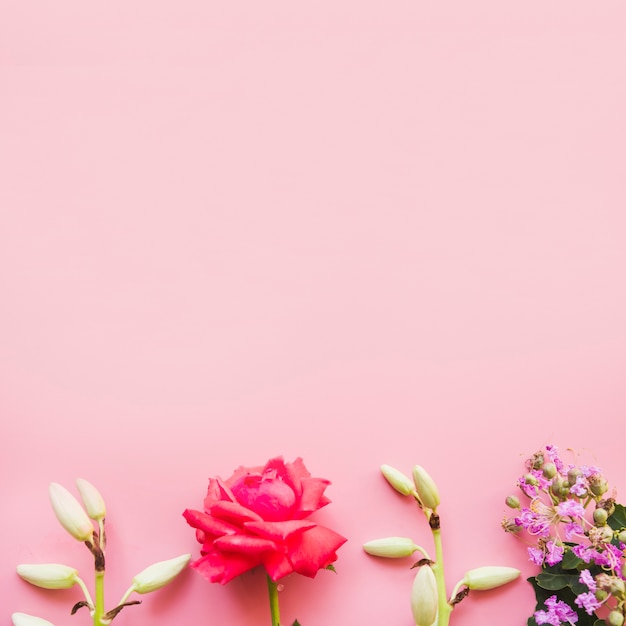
column 356, row 232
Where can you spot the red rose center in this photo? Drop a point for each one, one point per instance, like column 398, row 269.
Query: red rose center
column 266, row 495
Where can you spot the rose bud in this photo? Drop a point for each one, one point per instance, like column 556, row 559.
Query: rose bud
column 391, row 547
column 424, row 597
column 426, row 489
column 615, row 618
column 22, row 619
column 401, row 483
column 159, row 574
column 91, row 499
column 49, row 575
column 70, row 513
column 489, row 577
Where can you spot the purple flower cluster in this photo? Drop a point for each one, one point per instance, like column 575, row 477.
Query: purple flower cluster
column 567, row 512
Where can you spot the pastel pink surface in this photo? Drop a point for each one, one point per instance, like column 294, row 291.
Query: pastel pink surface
column 359, row 233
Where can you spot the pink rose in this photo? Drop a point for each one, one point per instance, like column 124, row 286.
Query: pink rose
column 258, row 517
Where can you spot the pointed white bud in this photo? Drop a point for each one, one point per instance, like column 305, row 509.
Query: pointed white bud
column 391, row 547
column 426, row 489
column 401, row 483
column 22, row 619
column 93, row 501
column 160, row 574
column 424, row 597
column 48, row 575
column 489, row 577
column 70, row 513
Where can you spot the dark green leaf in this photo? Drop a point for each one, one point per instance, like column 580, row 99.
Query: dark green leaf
column 296, row 623
column 554, row 582
column 617, row 521
column 570, row 560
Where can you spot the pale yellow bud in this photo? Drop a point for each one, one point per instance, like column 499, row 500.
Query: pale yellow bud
column 48, row 575
column 489, row 577
column 424, row 597
column 391, row 547
column 22, row 619
column 92, row 499
column 160, row 574
column 400, row 482
column 70, row 513
column 426, row 489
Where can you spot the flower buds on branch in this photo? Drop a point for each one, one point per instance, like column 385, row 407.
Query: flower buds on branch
column 428, row 593
column 77, row 521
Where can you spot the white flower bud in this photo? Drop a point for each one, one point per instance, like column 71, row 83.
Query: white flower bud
column 489, row 577
column 159, row 574
column 92, row 499
column 70, row 513
column 48, row 575
column 401, row 483
column 426, row 489
column 22, row 619
column 390, row 547
column 424, row 597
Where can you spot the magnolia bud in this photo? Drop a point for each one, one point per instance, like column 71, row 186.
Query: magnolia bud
column 424, row 597
column 489, row 577
column 160, row 574
column 398, row 480
column 391, row 547
column 22, row 619
column 91, row 499
column 426, row 489
column 49, row 575
column 70, row 513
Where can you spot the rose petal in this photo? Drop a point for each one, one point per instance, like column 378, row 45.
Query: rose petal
column 244, row 544
column 221, row 568
column 291, row 473
column 217, row 491
column 233, row 512
column 242, row 472
column 313, row 549
column 278, row 531
column 270, row 498
column 312, row 497
column 207, row 524
column 277, row 565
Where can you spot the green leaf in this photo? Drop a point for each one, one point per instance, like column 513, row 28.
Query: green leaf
column 571, row 561
column 331, row 567
column 296, row 623
column 554, row 582
column 617, row 520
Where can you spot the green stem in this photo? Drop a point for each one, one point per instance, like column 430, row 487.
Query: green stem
column 99, row 606
column 272, row 588
column 445, row 609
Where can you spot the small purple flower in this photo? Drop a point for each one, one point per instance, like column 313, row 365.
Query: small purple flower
column 553, row 455
column 554, row 553
column 570, row 508
column 587, row 579
column 558, row 613
column 588, row 601
column 571, row 529
column 535, row 555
